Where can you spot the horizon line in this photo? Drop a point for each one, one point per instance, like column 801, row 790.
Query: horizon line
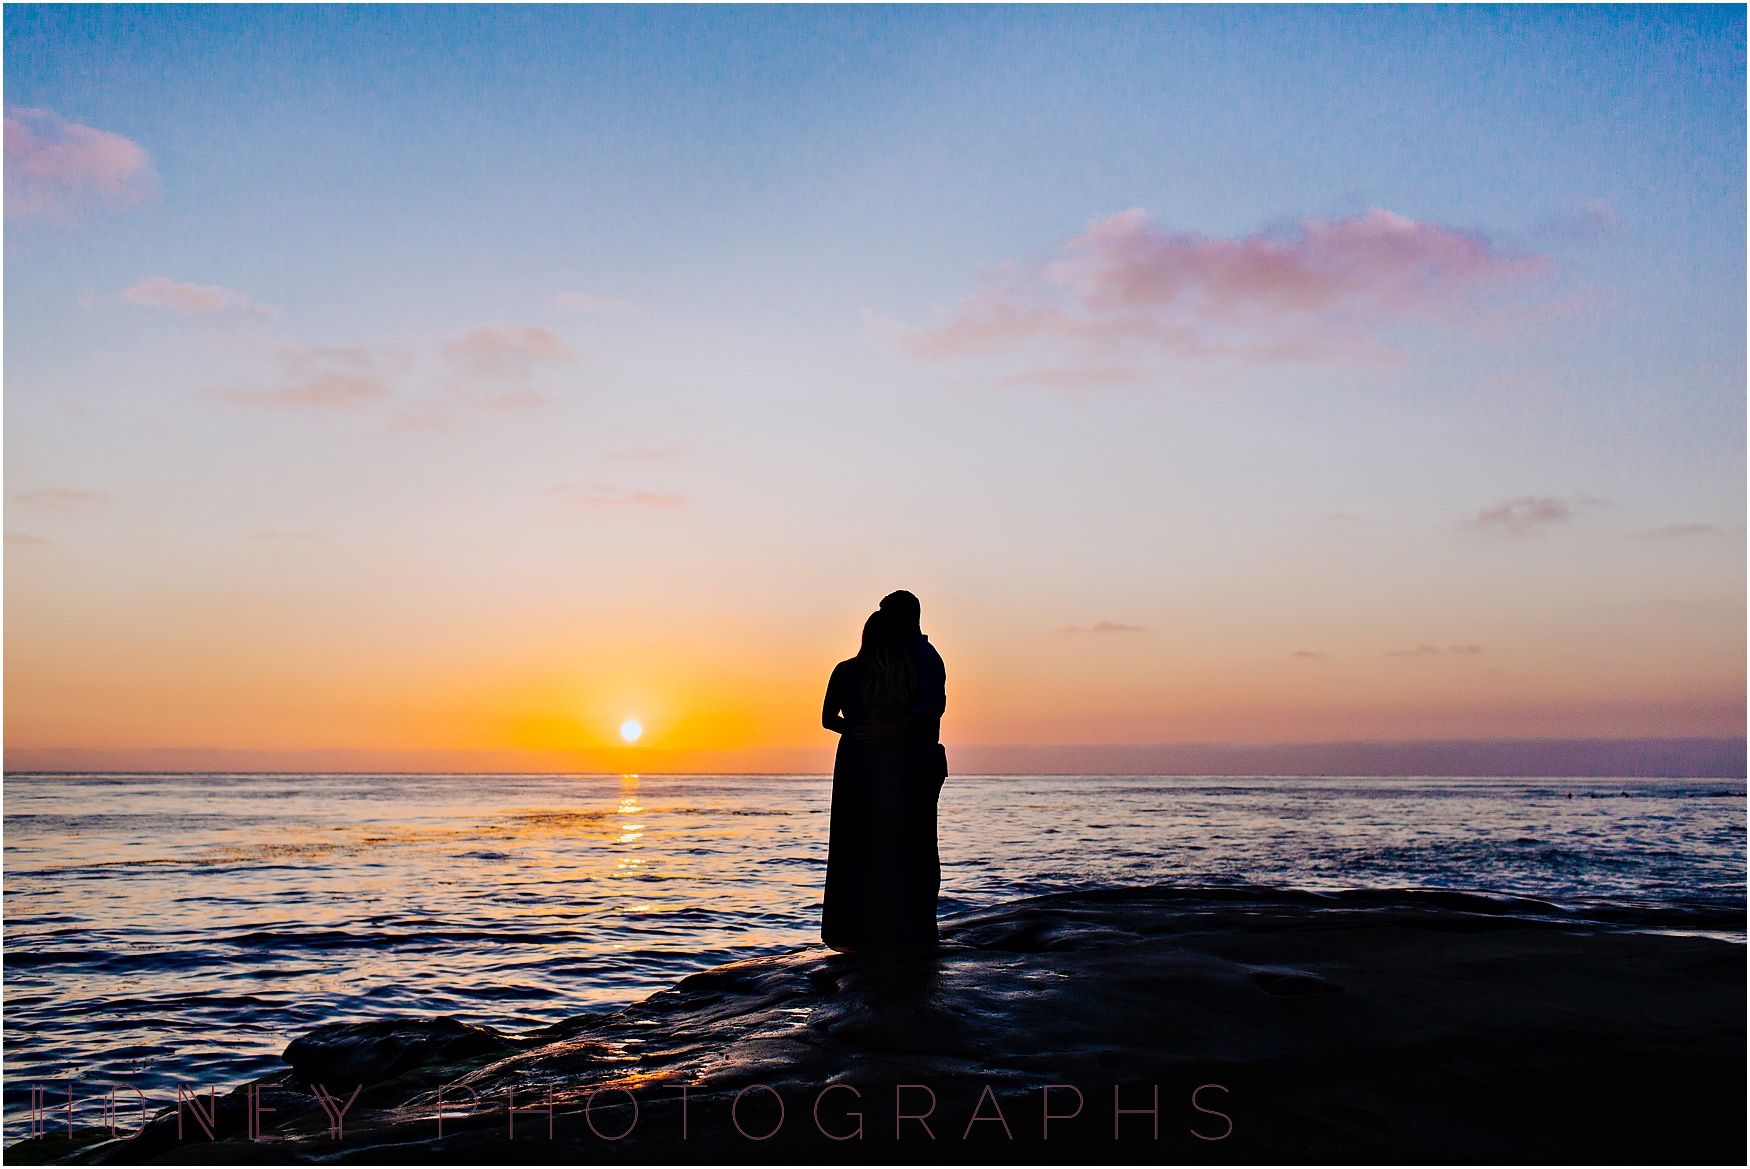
column 1672, row 756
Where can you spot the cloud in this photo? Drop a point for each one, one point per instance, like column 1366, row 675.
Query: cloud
column 26, row 540
column 1104, row 627
column 1464, row 650
column 318, row 377
column 492, row 365
column 584, row 302
column 1521, row 516
column 1323, row 292
column 1307, row 653
column 505, row 350
column 56, row 168
column 602, row 495
column 1675, row 532
column 62, row 499
column 276, row 536
column 422, row 381
column 1529, row 514
column 194, row 300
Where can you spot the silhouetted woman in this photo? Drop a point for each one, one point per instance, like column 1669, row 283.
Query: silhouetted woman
column 882, row 871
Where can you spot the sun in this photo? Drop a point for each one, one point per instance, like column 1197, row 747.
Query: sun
column 630, row 730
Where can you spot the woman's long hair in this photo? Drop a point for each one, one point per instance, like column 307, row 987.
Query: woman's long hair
column 888, row 677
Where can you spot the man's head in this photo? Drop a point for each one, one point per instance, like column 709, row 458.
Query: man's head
column 904, row 609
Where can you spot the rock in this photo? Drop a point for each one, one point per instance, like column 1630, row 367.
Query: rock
column 188, row 1139
column 346, row 1055
column 54, row 1147
column 1254, row 1026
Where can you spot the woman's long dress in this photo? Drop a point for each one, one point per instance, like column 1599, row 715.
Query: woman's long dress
column 882, row 869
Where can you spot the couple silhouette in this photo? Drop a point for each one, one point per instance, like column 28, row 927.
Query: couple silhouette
column 882, row 869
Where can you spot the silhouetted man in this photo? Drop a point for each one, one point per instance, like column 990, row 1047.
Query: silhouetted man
column 903, row 610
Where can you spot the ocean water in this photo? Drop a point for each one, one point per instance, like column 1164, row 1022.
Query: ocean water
column 172, row 929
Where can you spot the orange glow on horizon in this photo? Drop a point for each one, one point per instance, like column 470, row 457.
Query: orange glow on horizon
column 175, row 676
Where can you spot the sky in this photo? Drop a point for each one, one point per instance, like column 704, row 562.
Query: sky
column 450, row 385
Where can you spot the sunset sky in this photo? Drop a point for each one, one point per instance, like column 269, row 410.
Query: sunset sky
column 452, row 384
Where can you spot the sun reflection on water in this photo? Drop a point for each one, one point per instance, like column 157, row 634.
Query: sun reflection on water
column 630, row 834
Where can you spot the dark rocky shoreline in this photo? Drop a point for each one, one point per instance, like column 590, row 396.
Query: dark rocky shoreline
column 1270, row 1026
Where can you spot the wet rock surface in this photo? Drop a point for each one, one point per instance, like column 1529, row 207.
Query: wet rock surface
column 385, row 1049
column 1228, row 1025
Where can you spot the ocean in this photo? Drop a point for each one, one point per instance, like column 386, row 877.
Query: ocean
column 181, row 929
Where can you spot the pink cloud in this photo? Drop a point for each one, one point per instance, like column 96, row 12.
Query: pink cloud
column 491, row 365
column 489, row 368
column 62, row 498
column 1529, row 514
column 318, row 377
column 1104, row 627
column 194, row 300
column 1323, row 293
column 1521, row 516
column 601, row 495
column 55, row 168
column 501, row 350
